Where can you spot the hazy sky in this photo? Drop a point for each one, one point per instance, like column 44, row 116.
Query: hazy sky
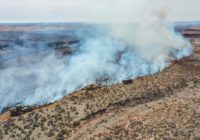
column 95, row 10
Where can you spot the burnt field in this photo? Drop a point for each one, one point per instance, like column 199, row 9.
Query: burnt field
column 161, row 106
column 58, row 37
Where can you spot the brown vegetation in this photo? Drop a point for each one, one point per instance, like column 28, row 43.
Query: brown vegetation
column 162, row 106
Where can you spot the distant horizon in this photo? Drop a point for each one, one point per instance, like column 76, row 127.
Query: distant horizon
column 75, row 22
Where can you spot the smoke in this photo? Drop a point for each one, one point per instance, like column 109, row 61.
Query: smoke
column 106, row 54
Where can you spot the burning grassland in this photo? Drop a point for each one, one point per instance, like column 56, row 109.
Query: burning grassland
column 164, row 105
column 43, row 67
column 126, row 73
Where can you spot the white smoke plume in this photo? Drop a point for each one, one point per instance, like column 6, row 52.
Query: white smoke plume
column 107, row 54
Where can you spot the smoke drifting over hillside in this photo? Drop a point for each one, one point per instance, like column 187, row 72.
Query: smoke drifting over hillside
column 105, row 55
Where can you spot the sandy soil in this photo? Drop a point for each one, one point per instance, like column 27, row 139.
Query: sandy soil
column 162, row 106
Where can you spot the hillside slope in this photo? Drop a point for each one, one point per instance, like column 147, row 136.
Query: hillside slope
column 163, row 106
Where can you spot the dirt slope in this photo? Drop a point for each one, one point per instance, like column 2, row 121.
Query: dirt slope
column 162, row 106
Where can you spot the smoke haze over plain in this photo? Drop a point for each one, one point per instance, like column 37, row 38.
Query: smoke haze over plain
column 94, row 10
column 104, row 55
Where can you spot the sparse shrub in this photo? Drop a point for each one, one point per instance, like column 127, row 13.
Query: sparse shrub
column 75, row 124
column 50, row 133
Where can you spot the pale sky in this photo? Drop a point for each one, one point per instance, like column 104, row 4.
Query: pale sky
column 95, row 10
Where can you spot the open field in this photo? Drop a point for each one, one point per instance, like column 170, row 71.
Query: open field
column 37, row 27
column 162, row 106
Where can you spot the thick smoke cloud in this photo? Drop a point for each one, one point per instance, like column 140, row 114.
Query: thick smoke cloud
column 106, row 54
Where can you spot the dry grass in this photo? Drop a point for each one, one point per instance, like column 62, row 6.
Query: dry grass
column 161, row 106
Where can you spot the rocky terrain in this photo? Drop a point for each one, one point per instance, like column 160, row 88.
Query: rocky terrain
column 162, row 106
